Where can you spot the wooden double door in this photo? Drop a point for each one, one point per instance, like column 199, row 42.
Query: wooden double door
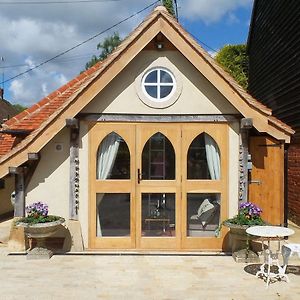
column 157, row 186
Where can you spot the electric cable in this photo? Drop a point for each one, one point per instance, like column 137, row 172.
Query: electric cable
column 80, row 44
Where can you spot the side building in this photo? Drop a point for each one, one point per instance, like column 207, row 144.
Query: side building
column 274, row 77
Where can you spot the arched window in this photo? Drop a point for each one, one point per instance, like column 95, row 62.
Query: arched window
column 113, row 158
column 158, row 158
column 203, row 158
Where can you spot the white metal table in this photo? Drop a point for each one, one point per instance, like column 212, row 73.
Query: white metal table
column 269, row 233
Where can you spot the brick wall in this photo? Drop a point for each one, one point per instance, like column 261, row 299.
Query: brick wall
column 294, row 180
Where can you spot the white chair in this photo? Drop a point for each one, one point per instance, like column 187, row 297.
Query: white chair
column 287, row 250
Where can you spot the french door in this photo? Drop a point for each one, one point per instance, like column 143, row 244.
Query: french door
column 157, row 186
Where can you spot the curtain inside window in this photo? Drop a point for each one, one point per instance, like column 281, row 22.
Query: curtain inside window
column 107, row 154
column 213, row 157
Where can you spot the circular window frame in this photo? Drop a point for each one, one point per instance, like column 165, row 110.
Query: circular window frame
column 160, row 64
column 158, row 84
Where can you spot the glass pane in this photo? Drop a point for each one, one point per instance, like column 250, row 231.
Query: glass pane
column 165, row 91
column 151, row 77
column 113, row 158
column 165, row 77
column 158, row 159
column 151, row 90
column 197, row 167
column 158, row 215
column 113, row 214
column 203, row 214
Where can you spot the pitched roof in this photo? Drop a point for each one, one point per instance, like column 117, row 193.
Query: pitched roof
column 63, row 102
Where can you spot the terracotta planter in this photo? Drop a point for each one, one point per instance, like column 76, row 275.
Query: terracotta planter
column 40, row 232
column 241, row 243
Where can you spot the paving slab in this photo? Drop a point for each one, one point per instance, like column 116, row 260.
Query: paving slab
column 166, row 277
column 137, row 277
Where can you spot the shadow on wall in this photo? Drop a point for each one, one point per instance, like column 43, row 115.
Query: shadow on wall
column 52, row 160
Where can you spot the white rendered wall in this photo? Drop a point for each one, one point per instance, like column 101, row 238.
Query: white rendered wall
column 50, row 181
column 198, row 95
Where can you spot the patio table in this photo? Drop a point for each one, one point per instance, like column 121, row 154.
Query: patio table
column 269, row 233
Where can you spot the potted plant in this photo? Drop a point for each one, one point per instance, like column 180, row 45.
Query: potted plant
column 249, row 214
column 39, row 225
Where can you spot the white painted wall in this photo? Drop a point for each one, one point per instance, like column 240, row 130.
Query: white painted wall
column 198, row 96
column 50, row 181
column 84, row 181
column 9, row 187
column 233, row 171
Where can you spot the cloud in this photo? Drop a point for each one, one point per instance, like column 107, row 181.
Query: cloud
column 210, row 11
column 31, row 34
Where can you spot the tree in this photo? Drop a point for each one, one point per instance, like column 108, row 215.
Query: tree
column 169, row 6
column 19, row 107
column 234, row 60
column 109, row 44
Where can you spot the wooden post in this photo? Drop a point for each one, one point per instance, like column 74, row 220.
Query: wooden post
column 19, row 207
column 246, row 125
column 73, row 124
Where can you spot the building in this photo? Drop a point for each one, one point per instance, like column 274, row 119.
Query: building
column 147, row 149
column 6, row 109
column 274, row 72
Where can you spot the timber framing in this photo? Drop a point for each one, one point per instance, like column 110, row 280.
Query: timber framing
column 83, row 89
column 158, row 118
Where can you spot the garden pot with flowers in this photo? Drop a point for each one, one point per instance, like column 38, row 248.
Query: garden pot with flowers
column 249, row 214
column 39, row 225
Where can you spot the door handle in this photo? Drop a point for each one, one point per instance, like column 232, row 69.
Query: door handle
column 259, row 182
column 139, row 176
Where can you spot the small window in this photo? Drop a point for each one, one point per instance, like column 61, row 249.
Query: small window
column 159, row 84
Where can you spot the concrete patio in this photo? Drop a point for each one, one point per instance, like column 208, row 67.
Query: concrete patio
column 90, row 276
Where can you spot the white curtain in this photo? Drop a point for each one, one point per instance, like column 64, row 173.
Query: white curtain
column 213, row 157
column 107, row 154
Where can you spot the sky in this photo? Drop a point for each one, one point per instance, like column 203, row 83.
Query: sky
column 31, row 34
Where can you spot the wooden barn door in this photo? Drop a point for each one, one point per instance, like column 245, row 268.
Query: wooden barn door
column 266, row 182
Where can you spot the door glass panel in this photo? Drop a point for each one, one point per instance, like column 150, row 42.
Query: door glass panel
column 158, row 214
column 203, row 214
column 158, row 159
column 203, row 159
column 113, row 158
column 113, row 215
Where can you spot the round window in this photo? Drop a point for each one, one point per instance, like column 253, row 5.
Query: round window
column 158, row 84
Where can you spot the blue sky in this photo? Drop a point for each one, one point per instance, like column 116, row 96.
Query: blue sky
column 31, row 34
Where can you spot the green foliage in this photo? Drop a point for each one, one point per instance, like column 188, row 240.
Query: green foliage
column 234, row 60
column 169, row 6
column 19, row 108
column 109, row 44
column 39, row 219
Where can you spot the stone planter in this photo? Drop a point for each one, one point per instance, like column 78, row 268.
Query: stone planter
column 40, row 232
column 241, row 243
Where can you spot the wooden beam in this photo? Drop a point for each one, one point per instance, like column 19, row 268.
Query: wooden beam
column 33, row 156
column 158, row 118
column 19, row 205
column 74, row 174
column 72, row 123
column 15, row 170
column 243, row 164
column 246, row 123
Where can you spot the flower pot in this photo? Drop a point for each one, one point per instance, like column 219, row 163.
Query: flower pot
column 241, row 243
column 40, row 232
